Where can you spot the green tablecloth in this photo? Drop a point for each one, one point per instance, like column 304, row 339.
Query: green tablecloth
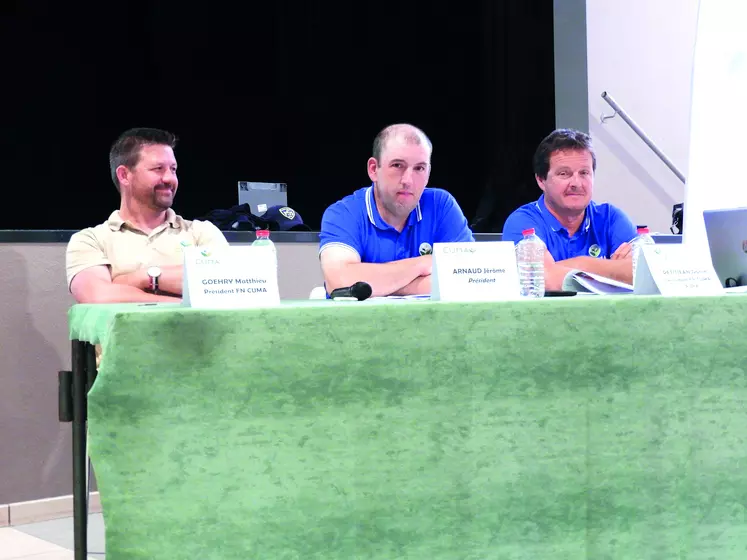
column 569, row 428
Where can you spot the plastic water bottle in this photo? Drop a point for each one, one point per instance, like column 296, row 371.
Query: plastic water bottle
column 263, row 240
column 643, row 238
column 530, row 257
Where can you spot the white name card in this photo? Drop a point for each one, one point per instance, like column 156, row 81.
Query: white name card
column 484, row 271
column 672, row 270
column 229, row 278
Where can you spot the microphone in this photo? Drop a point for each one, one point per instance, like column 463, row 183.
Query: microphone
column 359, row 291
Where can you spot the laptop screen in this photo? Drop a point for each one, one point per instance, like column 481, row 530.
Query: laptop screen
column 261, row 196
column 726, row 231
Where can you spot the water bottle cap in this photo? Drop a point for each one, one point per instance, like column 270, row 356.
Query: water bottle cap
column 529, row 231
column 642, row 229
column 263, row 233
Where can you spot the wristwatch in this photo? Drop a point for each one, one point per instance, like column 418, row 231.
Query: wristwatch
column 153, row 273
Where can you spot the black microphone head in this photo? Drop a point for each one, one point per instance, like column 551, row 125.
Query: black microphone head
column 361, row 290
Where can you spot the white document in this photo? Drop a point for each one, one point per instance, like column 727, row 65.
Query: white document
column 479, row 271
column 230, row 278
column 586, row 282
column 675, row 270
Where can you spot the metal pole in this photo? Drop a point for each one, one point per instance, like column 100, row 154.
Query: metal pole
column 642, row 135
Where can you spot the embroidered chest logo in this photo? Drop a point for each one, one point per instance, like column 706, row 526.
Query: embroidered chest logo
column 425, row 249
column 595, row 250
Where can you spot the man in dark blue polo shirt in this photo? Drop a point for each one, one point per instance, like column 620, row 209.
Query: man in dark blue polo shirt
column 578, row 232
column 383, row 234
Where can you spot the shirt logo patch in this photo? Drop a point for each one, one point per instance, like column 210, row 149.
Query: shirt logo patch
column 595, row 250
column 426, row 249
column 288, row 212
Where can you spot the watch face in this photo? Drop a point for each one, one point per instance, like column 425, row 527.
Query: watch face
column 154, row 272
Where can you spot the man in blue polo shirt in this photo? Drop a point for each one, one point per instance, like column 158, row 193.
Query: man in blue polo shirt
column 579, row 233
column 383, row 234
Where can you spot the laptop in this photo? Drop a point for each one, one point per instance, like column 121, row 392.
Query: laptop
column 727, row 239
column 261, row 196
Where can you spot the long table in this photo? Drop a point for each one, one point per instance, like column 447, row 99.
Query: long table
column 583, row 427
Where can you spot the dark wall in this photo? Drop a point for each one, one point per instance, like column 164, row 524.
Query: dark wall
column 290, row 91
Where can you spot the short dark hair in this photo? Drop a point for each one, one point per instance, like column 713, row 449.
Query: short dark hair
column 126, row 149
column 412, row 134
column 563, row 139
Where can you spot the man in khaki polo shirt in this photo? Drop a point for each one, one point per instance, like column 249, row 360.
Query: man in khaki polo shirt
column 136, row 255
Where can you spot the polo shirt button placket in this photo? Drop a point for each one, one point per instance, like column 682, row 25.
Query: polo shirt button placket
column 402, row 248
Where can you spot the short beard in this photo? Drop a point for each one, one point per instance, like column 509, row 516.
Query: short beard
column 160, row 205
column 395, row 210
column 398, row 210
column 157, row 205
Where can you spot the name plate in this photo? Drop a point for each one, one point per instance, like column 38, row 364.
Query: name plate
column 229, row 278
column 670, row 270
column 484, row 271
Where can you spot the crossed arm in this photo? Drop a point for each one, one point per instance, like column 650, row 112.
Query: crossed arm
column 618, row 267
column 342, row 267
column 95, row 285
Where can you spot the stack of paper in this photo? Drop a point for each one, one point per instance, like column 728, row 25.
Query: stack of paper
column 586, row 282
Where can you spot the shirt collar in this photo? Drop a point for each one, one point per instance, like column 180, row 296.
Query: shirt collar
column 554, row 223
column 115, row 221
column 375, row 218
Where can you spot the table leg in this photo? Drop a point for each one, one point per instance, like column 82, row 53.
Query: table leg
column 91, row 372
column 80, row 386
